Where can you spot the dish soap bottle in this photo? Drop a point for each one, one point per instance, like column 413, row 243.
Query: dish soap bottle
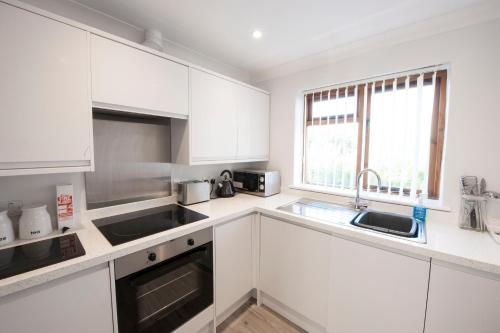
column 419, row 211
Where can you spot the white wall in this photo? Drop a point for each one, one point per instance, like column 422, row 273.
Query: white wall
column 40, row 189
column 90, row 17
column 474, row 115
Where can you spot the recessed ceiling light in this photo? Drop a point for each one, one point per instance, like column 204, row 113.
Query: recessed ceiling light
column 257, row 34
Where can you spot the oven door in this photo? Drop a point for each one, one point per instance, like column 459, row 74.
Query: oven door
column 163, row 297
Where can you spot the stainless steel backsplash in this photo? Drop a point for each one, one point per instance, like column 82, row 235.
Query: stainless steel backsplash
column 132, row 160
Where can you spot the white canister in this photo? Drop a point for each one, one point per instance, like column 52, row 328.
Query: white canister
column 6, row 229
column 35, row 222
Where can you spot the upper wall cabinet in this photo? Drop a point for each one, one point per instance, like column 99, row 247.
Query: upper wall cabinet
column 213, row 118
column 46, row 123
column 253, row 124
column 128, row 79
column 229, row 122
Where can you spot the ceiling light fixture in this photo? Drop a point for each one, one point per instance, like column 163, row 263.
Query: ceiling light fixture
column 257, row 34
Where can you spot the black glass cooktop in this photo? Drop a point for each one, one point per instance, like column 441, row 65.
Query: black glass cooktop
column 27, row 257
column 127, row 227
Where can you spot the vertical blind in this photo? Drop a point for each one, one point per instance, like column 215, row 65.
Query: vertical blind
column 393, row 124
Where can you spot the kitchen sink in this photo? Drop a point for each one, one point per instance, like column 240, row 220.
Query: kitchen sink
column 392, row 224
column 320, row 210
column 395, row 225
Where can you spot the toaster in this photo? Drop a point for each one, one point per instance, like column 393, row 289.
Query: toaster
column 257, row 182
column 193, row 191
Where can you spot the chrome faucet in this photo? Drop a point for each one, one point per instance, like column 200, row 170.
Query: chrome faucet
column 357, row 201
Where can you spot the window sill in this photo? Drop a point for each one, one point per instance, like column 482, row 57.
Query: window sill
column 377, row 197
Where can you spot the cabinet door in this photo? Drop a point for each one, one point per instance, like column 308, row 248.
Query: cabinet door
column 374, row 290
column 214, row 133
column 253, row 124
column 294, row 267
column 462, row 301
column 78, row 303
column 129, row 79
column 44, row 92
column 233, row 262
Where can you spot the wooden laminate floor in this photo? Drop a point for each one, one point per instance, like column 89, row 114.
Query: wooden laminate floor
column 251, row 318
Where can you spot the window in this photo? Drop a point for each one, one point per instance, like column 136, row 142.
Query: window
column 394, row 125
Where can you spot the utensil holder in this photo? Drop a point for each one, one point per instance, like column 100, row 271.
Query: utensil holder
column 473, row 212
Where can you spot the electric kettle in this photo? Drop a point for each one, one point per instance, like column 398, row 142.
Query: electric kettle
column 225, row 188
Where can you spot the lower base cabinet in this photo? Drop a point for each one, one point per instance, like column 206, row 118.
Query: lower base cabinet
column 233, row 262
column 376, row 291
column 294, row 267
column 344, row 286
column 462, row 301
column 79, row 303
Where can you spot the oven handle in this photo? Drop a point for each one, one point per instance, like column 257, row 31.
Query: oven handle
column 140, row 260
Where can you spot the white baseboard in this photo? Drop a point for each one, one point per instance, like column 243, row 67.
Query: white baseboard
column 291, row 315
column 233, row 308
column 277, row 307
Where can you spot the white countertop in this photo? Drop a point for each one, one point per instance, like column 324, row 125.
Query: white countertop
column 445, row 240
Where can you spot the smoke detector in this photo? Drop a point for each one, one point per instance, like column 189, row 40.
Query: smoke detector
column 153, row 39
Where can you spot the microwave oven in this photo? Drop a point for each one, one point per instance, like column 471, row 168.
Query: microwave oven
column 257, row 182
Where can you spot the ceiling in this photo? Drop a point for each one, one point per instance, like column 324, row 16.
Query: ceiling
column 222, row 29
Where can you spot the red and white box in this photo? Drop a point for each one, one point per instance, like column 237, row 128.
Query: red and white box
column 64, row 203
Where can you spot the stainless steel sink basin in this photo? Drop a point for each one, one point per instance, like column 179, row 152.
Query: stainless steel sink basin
column 392, row 224
column 320, row 210
column 395, row 225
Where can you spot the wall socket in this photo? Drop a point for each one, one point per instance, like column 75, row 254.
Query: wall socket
column 14, row 208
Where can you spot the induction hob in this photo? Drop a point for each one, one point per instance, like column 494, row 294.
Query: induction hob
column 28, row 257
column 124, row 228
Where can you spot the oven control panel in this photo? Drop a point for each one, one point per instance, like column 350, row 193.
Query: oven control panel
column 139, row 260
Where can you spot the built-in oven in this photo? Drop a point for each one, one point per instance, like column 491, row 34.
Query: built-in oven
column 161, row 288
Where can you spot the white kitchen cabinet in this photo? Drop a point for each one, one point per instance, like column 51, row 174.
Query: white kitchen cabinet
column 46, row 123
column 128, row 79
column 233, row 262
column 462, row 301
column 78, row 303
column 229, row 122
column 214, row 130
column 253, row 124
column 374, row 290
column 294, row 267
